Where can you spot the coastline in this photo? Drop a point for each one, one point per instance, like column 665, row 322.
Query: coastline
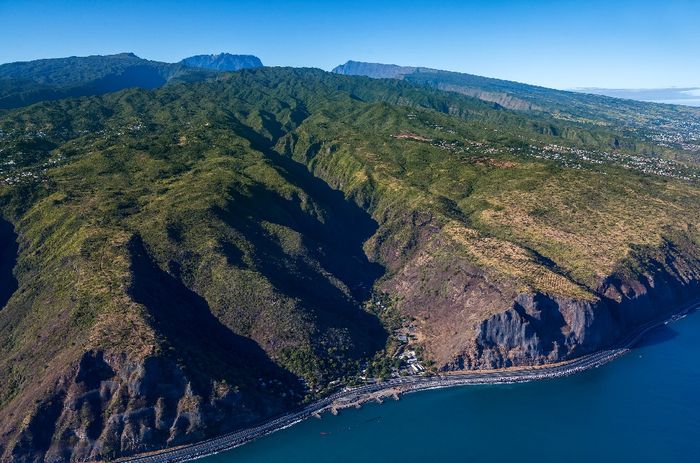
column 396, row 386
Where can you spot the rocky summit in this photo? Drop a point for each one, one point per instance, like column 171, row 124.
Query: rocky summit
column 223, row 62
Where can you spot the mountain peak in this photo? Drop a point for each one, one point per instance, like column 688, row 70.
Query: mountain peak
column 127, row 54
column 223, row 62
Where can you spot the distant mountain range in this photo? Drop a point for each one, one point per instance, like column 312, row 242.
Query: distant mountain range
column 25, row 83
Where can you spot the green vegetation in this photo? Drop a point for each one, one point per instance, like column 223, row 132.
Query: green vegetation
column 237, row 226
column 662, row 125
column 26, row 83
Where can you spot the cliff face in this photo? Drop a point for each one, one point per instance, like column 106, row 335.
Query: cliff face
column 187, row 377
column 108, row 406
column 501, row 98
column 374, row 70
column 223, row 62
column 434, row 78
column 471, row 318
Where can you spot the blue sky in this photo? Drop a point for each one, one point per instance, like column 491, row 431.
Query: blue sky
column 562, row 44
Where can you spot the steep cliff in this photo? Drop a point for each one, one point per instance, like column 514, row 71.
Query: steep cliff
column 108, row 406
column 185, row 376
column 374, row 70
column 223, row 62
column 471, row 317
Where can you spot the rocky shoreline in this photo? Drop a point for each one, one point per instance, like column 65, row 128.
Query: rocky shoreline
column 393, row 388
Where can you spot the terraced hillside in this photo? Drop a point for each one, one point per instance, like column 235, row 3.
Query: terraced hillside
column 196, row 258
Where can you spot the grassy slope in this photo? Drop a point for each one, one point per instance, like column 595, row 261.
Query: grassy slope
column 560, row 213
column 661, row 124
column 212, row 178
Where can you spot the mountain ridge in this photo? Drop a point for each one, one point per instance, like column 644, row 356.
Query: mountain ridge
column 657, row 122
column 199, row 257
column 28, row 82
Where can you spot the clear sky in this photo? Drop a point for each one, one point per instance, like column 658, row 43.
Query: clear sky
column 561, row 44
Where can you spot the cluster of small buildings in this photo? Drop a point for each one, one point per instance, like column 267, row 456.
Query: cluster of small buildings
column 676, row 133
column 410, row 363
column 11, row 175
column 18, row 178
column 136, row 127
column 577, row 158
column 413, row 366
column 572, row 157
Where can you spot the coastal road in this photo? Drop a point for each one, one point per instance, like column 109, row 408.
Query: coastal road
column 405, row 385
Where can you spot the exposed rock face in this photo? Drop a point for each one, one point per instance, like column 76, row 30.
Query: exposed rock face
column 374, row 70
column 420, row 74
column 501, row 98
column 471, row 319
column 223, row 62
column 202, row 381
column 537, row 329
column 111, row 407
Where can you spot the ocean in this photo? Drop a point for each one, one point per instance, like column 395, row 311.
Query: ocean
column 643, row 407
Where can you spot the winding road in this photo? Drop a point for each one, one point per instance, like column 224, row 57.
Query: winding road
column 406, row 385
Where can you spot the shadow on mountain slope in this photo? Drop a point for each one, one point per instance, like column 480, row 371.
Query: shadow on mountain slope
column 205, row 347
column 332, row 231
column 8, row 259
column 345, row 229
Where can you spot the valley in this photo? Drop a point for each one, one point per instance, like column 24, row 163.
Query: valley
column 198, row 257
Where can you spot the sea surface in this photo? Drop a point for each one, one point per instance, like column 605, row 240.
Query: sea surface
column 680, row 101
column 643, row 407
